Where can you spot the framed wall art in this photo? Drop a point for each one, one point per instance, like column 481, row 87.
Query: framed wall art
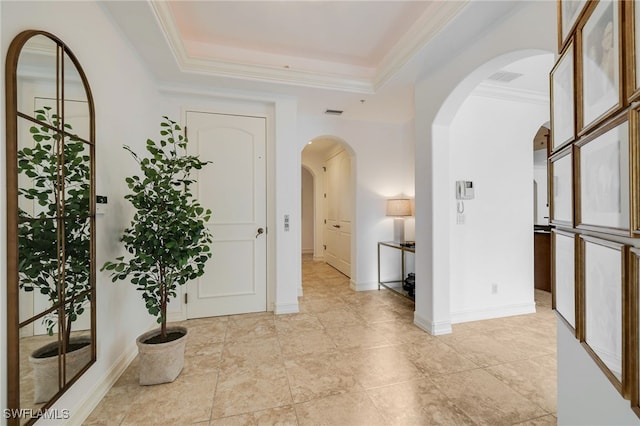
column 634, row 164
column 568, row 12
column 600, row 63
column 561, row 187
column 632, row 37
column 563, row 275
column 634, row 329
column 604, row 299
column 602, row 198
column 562, row 100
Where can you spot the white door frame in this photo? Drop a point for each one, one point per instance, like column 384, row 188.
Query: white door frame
column 178, row 309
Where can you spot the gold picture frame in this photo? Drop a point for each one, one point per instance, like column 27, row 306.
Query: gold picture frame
column 599, row 65
column 604, row 308
column 569, row 12
column 632, row 50
column 561, row 178
column 562, row 86
column 633, row 328
column 634, row 168
column 602, row 184
column 564, row 265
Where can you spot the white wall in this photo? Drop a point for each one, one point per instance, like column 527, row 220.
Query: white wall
column 381, row 168
column 126, row 113
column 441, row 90
column 585, row 395
column 490, row 144
column 307, row 213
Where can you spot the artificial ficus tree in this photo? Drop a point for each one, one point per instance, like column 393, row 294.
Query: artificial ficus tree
column 167, row 241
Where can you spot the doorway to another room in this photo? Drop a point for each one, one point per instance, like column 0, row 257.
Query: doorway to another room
column 327, row 202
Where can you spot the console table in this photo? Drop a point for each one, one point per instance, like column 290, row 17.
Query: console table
column 395, row 285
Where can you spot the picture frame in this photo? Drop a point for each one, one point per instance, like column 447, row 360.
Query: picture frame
column 632, row 46
column 634, row 327
column 562, row 85
column 602, row 179
column 604, row 308
column 634, row 165
column 561, row 188
column 563, row 277
column 568, row 13
column 600, row 64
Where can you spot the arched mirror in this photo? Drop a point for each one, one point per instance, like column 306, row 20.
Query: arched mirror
column 50, row 222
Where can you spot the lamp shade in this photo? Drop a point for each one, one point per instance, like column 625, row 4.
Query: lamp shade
column 399, row 207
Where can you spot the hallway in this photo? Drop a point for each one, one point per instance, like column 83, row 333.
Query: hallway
column 349, row 358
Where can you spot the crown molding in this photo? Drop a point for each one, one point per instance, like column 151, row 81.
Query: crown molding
column 228, row 69
column 489, row 90
column 430, row 23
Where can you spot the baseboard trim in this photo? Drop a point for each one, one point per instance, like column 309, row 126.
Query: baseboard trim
column 433, row 328
column 286, row 308
column 492, row 312
column 318, row 258
column 363, row 286
column 307, row 251
column 176, row 316
column 84, row 409
column 300, row 292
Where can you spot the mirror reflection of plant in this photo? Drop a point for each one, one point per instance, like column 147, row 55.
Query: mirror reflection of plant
column 167, row 239
column 58, row 169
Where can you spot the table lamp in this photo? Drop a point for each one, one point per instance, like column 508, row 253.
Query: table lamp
column 398, row 209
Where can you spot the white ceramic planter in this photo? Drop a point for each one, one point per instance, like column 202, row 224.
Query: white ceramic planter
column 161, row 362
column 45, row 370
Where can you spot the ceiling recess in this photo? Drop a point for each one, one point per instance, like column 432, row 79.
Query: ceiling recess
column 505, row 76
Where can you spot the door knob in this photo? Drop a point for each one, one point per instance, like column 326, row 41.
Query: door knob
column 260, row 231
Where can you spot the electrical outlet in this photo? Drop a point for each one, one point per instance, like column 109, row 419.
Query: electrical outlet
column 494, row 288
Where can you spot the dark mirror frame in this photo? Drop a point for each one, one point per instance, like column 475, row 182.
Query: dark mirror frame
column 12, row 114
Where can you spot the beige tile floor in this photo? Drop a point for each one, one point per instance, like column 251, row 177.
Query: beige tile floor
column 350, row 358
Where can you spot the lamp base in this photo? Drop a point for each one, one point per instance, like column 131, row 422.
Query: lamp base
column 398, row 230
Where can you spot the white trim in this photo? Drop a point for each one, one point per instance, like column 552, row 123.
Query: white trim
column 307, row 251
column 177, row 316
column 319, row 258
column 187, row 63
column 492, row 312
column 426, row 28
column 505, row 93
column 435, row 329
column 373, row 285
column 250, row 107
column 84, row 408
column 286, row 308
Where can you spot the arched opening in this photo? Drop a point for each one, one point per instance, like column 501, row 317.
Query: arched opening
column 483, row 132
column 330, row 163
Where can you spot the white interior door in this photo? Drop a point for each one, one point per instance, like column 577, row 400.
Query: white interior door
column 338, row 209
column 233, row 186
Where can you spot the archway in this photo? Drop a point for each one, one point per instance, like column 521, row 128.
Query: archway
column 483, row 134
